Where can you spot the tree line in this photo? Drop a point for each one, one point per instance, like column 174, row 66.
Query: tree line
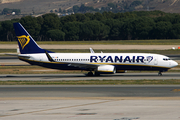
column 96, row 26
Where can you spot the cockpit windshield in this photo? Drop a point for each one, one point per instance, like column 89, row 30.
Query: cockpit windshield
column 166, row 59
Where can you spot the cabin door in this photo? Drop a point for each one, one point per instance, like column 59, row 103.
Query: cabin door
column 155, row 60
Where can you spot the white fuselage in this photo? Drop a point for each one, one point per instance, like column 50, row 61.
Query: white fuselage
column 122, row 61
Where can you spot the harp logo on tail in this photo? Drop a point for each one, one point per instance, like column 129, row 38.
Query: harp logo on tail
column 23, row 40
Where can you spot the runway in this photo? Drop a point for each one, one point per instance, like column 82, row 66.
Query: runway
column 117, row 76
column 90, row 102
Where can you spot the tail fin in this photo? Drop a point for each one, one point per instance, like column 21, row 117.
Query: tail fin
column 26, row 43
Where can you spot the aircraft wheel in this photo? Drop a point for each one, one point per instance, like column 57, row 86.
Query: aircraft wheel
column 90, row 74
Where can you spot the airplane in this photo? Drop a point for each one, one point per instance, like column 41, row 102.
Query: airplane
column 95, row 63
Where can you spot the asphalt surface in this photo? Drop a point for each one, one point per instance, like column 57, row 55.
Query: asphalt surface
column 11, row 61
column 90, row 91
column 102, row 102
column 90, row 109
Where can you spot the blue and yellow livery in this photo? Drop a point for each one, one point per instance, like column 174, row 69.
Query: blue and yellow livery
column 26, row 43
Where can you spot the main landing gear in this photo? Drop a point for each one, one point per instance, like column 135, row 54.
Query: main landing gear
column 160, row 73
column 91, row 74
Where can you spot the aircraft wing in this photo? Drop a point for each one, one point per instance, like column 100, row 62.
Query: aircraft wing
column 84, row 65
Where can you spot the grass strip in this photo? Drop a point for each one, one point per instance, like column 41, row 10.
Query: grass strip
column 108, row 42
column 8, row 51
column 94, row 82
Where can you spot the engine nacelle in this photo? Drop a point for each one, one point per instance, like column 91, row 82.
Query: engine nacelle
column 106, row 69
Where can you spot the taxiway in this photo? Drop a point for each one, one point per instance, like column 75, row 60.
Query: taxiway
column 117, row 76
column 90, row 91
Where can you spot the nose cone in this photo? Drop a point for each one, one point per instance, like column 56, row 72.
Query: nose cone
column 174, row 64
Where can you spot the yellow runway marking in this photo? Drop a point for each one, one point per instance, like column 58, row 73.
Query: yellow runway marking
column 176, row 90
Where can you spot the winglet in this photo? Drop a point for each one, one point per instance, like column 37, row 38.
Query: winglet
column 91, row 50
column 49, row 57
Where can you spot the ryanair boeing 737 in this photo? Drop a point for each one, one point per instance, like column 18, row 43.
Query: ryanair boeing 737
column 96, row 63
